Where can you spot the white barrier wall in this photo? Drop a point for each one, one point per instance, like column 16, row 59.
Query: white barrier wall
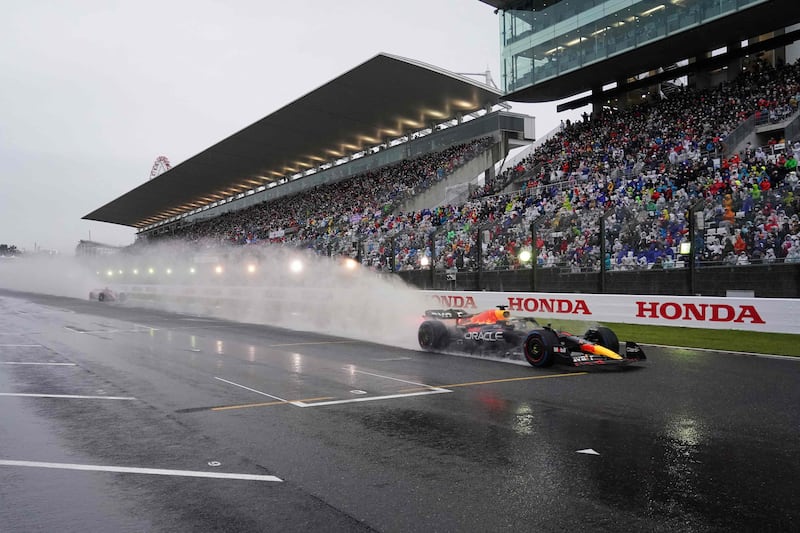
column 752, row 314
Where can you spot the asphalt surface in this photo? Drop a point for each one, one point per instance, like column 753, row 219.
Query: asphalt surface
column 314, row 433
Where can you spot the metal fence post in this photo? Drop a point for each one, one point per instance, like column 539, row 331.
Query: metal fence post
column 602, row 254
column 693, row 211
column 479, row 259
column 534, row 254
column 691, row 252
column 433, row 257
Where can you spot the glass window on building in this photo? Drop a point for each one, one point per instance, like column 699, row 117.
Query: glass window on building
column 542, row 39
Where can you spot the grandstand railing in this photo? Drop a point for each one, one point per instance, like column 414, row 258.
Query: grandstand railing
column 744, row 130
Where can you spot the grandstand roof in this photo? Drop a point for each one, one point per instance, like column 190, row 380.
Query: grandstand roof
column 384, row 97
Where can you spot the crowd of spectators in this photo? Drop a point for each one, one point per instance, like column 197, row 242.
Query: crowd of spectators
column 331, row 209
column 645, row 168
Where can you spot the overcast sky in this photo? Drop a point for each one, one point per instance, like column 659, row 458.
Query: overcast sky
column 91, row 92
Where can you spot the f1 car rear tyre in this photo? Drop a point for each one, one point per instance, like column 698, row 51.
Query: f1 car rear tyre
column 604, row 337
column 101, row 297
column 539, row 346
column 432, row 335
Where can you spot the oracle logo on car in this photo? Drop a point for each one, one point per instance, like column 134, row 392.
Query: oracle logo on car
column 549, row 305
column 491, row 336
column 698, row 312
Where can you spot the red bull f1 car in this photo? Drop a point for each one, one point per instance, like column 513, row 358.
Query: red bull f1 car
column 496, row 332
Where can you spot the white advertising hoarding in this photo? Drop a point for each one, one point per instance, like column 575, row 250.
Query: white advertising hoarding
column 777, row 315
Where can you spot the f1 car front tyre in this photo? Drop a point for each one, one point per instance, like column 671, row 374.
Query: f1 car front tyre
column 604, row 337
column 432, row 335
column 539, row 346
column 101, row 297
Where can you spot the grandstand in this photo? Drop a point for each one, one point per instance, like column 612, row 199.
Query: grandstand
column 691, row 193
column 381, row 112
column 87, row 248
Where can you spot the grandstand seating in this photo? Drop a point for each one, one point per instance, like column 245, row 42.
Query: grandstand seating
column 645, row 168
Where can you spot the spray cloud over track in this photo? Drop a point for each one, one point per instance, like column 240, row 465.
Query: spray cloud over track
column 270, row 285
column 47, row 274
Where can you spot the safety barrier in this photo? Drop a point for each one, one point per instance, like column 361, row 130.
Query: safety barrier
column 772, row 315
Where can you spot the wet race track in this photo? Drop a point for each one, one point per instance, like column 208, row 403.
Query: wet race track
column 123, row 419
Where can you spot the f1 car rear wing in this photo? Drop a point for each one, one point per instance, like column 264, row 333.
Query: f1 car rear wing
column 444, row 314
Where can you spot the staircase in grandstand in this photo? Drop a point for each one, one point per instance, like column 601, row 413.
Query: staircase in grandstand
column 669, row 87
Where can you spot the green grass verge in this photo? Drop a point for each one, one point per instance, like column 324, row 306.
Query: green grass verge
column 719, row 339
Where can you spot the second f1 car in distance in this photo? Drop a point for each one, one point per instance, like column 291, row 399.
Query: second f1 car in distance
column 497, row 333
column 107, row 295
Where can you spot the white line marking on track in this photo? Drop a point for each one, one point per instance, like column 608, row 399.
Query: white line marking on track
column 96, row 331
column 371, row 398
column 400, row 380
column 151, row 471
column 43, row 364
column 393, row 359
column 310, row 343
column 20, row 345
column 751, row 354
column 68, row 396
column 256, row 391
